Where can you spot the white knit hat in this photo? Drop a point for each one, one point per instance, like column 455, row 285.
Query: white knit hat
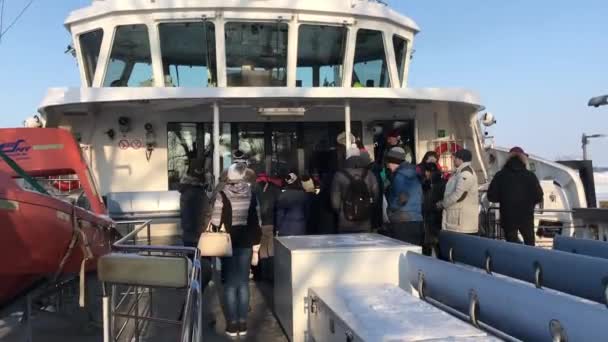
column 291, row 178
column 353, row 151
column 236, row 172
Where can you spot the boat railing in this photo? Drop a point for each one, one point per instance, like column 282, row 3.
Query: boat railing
column 134, row 271
column 547, row 228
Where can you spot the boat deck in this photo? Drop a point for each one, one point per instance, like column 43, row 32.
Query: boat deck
column 72, row 325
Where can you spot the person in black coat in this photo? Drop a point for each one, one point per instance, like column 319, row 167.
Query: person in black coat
column 192, row 203
column 518, row 191
column 292, row 208
column 356, row 168
column 433, row 188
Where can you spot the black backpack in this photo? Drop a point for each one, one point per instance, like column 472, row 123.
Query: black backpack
column 357, row 201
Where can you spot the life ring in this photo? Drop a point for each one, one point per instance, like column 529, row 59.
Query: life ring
column 448, row 147
column 445, row 148
column 66, row 185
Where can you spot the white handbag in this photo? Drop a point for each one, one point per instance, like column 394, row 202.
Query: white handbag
column 215, row 244
column 218, row 243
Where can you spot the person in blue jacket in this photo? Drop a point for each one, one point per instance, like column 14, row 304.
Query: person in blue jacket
column 404, row 199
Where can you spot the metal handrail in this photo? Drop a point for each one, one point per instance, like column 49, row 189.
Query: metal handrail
column 539, row 211
column 193, row 302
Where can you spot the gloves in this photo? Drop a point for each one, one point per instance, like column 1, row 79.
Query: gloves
column 255, row 258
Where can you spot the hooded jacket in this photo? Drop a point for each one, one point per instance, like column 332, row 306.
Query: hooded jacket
column 461, row 201
column 356, row 167
column 244, row 228
column 518, row 191
column 405, row 195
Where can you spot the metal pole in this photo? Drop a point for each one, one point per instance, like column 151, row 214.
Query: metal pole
column 28, row 318
column 107, row 335
column 216, row 142
column 137, row 314
column 585, row 143
column 347, row 125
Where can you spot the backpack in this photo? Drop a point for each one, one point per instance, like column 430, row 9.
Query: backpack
column 357, row 201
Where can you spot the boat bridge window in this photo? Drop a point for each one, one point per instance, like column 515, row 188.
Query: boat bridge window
column 370, row 68
column 321, row 52
column 400, row 45
column 130, row 60
column 90, row 45
column 256, row 54
column 188, row 54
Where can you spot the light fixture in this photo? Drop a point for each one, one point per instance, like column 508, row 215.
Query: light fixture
column 598, row 101
column 488, row 119
column 287, row 111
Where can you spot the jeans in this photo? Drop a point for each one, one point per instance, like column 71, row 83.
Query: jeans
column 236, row 284
column 410, row 232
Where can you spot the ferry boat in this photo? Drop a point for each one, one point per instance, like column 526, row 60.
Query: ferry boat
column 165, row 82
column 291, row 83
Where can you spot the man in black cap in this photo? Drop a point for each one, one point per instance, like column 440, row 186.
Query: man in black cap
column 460, row 202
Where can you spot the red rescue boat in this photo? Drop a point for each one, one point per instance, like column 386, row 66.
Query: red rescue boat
column 46, row 232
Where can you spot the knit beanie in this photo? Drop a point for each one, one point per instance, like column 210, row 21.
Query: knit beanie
column 395, row 155
column 236, row 172
column 291, row 178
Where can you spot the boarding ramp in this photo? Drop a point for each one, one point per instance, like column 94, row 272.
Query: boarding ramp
column 160, row 207
column 578, row 275
column 131, row 276
column 509, row 309
column 143, row 205
column 592, row 248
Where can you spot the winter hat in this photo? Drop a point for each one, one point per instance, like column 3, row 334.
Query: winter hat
column 239, row 156
column 341, row 139
column 394, row 134
column 236, row 172
column 395, row 155
column 353, row 151
column 291, row 178
column 464, row 155
column 518, row 150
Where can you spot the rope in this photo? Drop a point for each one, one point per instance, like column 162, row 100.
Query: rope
column 77, row 235
column 1, row 17
column 2, row 33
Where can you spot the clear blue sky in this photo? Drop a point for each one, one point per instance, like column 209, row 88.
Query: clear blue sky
column 535, row 63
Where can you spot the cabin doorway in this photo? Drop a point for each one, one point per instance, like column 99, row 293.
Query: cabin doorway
column 403, row 133
column 303, row 147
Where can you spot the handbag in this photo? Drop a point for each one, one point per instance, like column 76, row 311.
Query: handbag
column 217, row 242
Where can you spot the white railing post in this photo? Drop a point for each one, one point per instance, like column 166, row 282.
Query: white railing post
column 216, row 142
column 348, row 141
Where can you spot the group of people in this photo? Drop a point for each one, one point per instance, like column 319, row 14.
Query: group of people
column 392, row 196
